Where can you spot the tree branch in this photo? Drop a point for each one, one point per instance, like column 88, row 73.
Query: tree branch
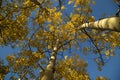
column 41, row 67
column 100, row 55
column 112, row 23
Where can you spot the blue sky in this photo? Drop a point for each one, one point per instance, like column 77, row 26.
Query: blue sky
column 107, row 7
column 112, row 67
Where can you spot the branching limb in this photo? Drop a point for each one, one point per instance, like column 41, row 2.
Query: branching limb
column 41, row 67
column 60, row 4
column 100, row 55
column 0, row 3
column 118, row 4
column 37, row 2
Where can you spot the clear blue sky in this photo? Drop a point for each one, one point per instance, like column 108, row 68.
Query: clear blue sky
column 112, row 67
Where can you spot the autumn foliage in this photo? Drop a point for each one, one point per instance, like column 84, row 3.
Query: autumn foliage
column 37, row 27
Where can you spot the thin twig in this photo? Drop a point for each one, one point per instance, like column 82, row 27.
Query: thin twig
column 100, row 55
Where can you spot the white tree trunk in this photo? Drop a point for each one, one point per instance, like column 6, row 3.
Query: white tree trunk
column 112, row 23
column 49, row 71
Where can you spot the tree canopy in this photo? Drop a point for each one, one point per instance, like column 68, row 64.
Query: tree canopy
column 43, row 31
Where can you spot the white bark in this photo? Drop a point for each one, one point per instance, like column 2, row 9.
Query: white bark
column 49, row 71
column 112, row 23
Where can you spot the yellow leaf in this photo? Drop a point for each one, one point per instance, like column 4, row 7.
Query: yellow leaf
column 91, row 19
column 63, row 7
column 69, row 24
column 74, row 17
column 15, row 5
column 49, row 20
column 107, row 53
column 27, row 2
column 49, row 46
column 52, row 28
column 41, row 55
column 93, row 2
column 70, row 2
column 77, row 3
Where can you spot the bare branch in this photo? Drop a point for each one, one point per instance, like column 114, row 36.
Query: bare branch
column 100, row 55
column 60, row 4
column 41, row 67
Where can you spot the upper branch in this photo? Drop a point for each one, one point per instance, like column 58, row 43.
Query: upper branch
column 112, row 23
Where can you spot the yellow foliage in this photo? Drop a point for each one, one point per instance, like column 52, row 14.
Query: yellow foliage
column 27, row 3
column 72, row 68
column 10, row 58
column 70, row 1
column 101, row 78
column 3, row 71
column 91, row 19
column 74, row 17
column 63, row 7
column 38, row 55
column 81, row 2
column 52, row 28
column 36, row 29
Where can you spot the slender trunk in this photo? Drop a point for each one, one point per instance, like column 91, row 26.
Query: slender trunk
column 49, row 71
column 112, row 23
